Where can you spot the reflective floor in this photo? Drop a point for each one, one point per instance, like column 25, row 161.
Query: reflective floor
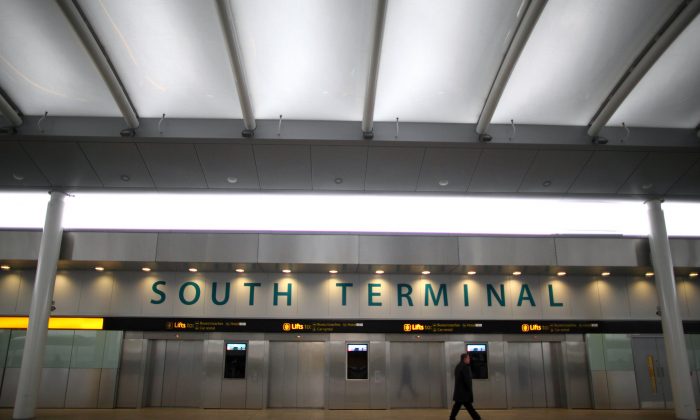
column 164, row 413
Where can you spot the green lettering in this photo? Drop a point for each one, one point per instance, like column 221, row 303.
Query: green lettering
column 227, row 292
column 196, row 292
column 551, row 297
column 442, row 291
column 491, row 291
column 371, row 294
column 525, row 289
column 466, row 295
column 251, row 299
column 160, row 293
column 276, row 293
column 406, row 295
column 344, row 288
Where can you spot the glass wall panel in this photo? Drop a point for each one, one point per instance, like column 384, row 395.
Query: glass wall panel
column 695, row 345
column 88, row 348
column 596, row 353
column 618, row 352
column 14, row 350
column 59, row 346
column 112, row 349
column 4, row 342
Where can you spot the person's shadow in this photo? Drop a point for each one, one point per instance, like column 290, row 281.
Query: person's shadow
column 406, row 378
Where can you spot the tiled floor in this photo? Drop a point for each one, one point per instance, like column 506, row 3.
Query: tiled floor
column 186, row 414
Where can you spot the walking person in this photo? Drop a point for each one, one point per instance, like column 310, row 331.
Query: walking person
column 463, row 395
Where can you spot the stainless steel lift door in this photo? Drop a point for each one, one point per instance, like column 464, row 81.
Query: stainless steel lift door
column 653, row 385
column 535, row 375
column 417, row 375
column 297, row 374
column 174, row 376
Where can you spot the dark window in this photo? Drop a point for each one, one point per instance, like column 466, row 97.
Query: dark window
column 234, row 365
column 357, row 361
column 479, row 360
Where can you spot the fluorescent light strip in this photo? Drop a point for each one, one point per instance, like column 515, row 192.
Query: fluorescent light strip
column 348, row 213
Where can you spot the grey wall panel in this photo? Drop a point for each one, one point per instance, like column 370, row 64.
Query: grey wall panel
column 312, row 249
column 586, row 304
column 26, row 288
column 213, row 374
column 15, row 161
column 605, row 172
column 256, row 374
column 63, row 163
column 19, row 244
column 606, row 252
column 553, row 171
column 108, row 388
column 578, row 387
column 599, row 388
column 455, row 166
column 330, row 163
column 437, row 250
column 622, row 388
column 614, row 300
column 207, row 247
column 112, row 161
column 336, row 374
column 233, row 393
column 109, row 246
column 83, row 388
column 9, row 292
column 173, row 165
column 131, row 373
column 223, row 163
column 96, row 292
column 9, row 387
column 685, row 252
column 52, row 391
column 657, row 173
column 66, row 293
column 476, row 250
column 501, row 171
column 393, row 168
column 642, row 296
column 378, row 374
column 283, row 166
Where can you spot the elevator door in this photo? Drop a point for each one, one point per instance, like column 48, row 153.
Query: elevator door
column 297, row 374
column 174, row 375
column 653, row 385
column 535, row 375
column 417, row 375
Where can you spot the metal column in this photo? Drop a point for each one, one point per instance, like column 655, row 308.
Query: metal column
column 33, row 354
column 674, row 340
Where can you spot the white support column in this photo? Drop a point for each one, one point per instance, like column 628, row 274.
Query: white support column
column 33, row 354
column 671, row 322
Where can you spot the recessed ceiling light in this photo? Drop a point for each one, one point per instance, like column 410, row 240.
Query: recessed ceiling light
column 99, row 269
column 379, row 272
column 649, row 274
column 125, row 178
column 192, row 270
column 240, row 270
column 471, row 272
column 605, row 273
column 444, row 182
column 18, row 177
column 647, row 186
column 5, row 267
column 286, row 271
column 333, row 271
column 693, row 275
column 338, row 180
column 146, row 269
column 517, row 273
column 425, row 272
column 561, row 273
column 547, row 183
column 232, row 180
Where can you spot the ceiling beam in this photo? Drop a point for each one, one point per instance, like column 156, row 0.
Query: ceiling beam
column 673, row 27
column 373, row 75
column 9, row 111
column 525, row 26
column 99, row 57
column 234, row 54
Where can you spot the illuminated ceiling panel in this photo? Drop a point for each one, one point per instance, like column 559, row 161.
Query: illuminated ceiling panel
column 306, row 59
column 669, row 94
column 439, row 58
column 43, row 65
column 170, row 55
column 577, row 52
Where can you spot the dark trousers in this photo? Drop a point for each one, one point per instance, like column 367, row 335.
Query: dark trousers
column 468, row 406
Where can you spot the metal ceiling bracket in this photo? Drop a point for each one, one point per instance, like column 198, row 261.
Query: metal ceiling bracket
column 9, row 112
column 522, row 33
column 234, row 55
column 659, row 43
column 373, row 74
column 99, row 57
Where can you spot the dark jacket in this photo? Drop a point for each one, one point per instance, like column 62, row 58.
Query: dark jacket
column 463, row 384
